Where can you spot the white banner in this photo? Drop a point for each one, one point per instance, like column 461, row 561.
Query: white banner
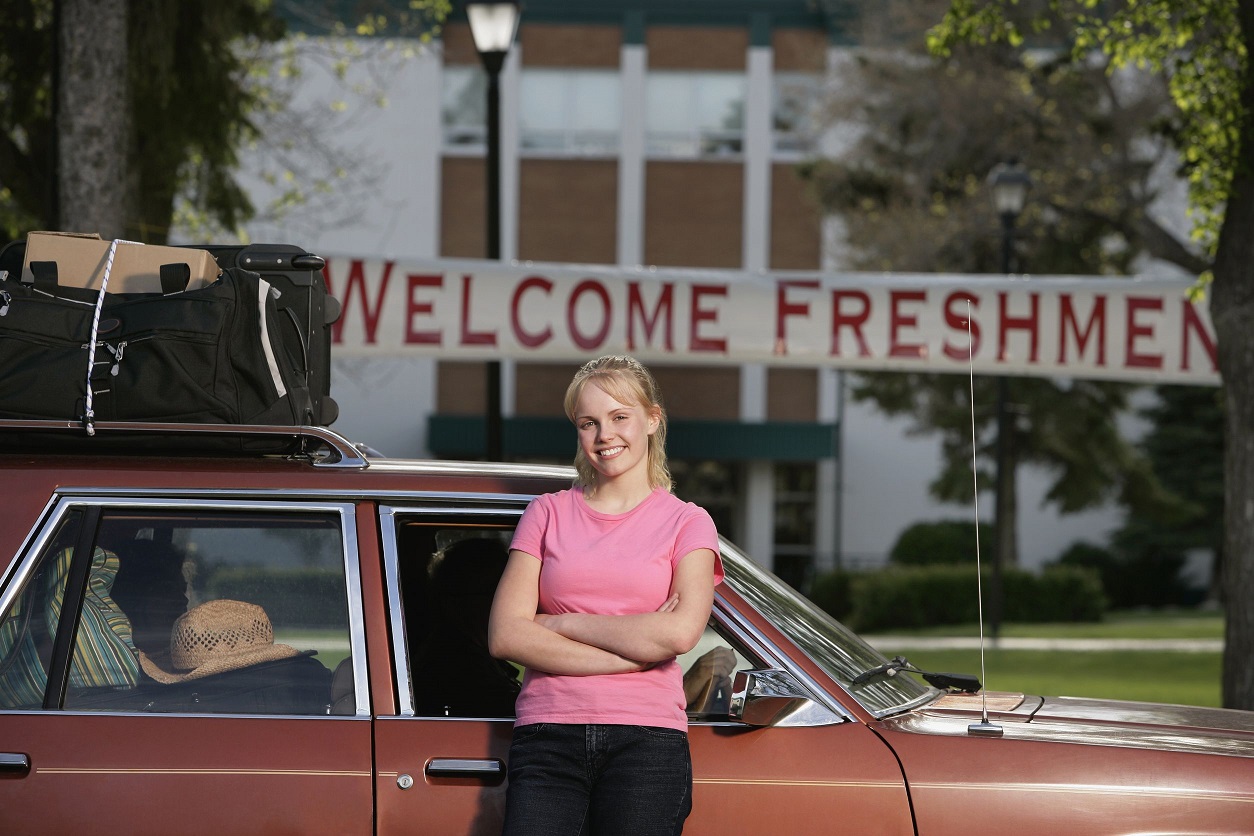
column 1092, row 327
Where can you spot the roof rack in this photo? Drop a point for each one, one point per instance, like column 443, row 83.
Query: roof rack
column 321, row 446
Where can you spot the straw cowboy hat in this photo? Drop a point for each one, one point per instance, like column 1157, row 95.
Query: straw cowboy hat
column 215, row 637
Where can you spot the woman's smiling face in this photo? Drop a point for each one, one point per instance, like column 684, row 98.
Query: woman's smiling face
column 614, row 436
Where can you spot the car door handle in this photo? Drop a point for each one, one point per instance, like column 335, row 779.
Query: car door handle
column 465, row 768
column 14, row 764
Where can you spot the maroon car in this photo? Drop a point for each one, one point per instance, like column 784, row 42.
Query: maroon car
column 262, row 630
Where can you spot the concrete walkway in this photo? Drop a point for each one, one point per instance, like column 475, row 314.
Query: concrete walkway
column 892, row 644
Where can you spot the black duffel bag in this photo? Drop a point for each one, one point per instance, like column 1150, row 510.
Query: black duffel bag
column 209, row 355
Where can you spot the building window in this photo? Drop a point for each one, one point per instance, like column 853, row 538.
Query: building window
column 713, row 485
column 795, row 114
column 796, row 485
column 695, row 114
column 570, row 112
column 464, row 110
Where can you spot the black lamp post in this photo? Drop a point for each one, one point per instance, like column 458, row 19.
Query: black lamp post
column 1009, row 182
column 493, row 25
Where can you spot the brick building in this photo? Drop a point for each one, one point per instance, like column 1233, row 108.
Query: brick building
column 638, row 132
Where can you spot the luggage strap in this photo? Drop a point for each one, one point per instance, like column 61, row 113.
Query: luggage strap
column 89, row 414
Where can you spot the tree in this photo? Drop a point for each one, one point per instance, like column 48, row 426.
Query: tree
column 1202, row 48
column 182, row 110
column 929, row 131
column 1185, row 448
column 203, row 79
column 93, row 115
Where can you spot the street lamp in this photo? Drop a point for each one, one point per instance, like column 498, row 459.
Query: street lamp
column 1009, row 182
column 493, row 25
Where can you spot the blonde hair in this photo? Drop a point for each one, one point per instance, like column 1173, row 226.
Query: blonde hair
column 627, row 381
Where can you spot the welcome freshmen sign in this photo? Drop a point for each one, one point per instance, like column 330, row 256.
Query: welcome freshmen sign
column 1089, row 327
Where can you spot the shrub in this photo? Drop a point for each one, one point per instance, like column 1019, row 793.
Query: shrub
column 943, row 542
column 926, row 596
column 1149, row 578
column 832, row 592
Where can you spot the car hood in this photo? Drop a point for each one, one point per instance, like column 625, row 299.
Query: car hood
column 1089, row 721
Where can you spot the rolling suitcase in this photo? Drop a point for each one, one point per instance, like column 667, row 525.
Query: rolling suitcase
column 244, row 349
column 306, row 312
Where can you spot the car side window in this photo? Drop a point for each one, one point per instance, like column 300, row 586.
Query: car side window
column 448, row 576
column 29, row 626
column 205, row 611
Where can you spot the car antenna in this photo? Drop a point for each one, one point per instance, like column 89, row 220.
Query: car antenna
column 983, row 728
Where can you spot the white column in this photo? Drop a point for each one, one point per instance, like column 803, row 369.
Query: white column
column 757, row 155
column 632, row 75
column 425, row 155
column 509, row 386
column 834, row 142
column 759, row 495
column 828, row 512
column 511, row 78
column 759, row 498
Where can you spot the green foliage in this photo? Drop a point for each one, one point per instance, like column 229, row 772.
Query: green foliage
column 1092, row 143
column 1185, row 448
column 1147, row 578
column 912, row 597
column 1196, row 44
column 207, row 80
column 1067, row 427
column 833, row 593
column 944, row 542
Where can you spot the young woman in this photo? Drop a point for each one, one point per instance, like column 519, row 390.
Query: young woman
column 606, row 584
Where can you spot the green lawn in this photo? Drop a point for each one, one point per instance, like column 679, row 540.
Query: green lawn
column 1167, row 624
column 1151, row 676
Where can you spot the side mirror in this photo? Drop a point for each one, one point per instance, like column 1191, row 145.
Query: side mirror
column 775, row 698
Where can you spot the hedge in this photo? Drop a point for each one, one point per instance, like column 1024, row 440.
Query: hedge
column 926, row 596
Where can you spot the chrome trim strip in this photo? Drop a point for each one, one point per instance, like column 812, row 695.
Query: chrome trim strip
column 340, row 494
column 396, row 613
column 36, row 540
column 766, row 782
column 465, row 768
column 440, row 466
column 322, row 773
column 1172, row 793
column 356, row 616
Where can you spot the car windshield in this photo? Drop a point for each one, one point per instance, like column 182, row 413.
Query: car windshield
column 829, row 644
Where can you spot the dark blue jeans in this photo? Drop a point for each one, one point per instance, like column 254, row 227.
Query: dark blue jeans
column 598, row 780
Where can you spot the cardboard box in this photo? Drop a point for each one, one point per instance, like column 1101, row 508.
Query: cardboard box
column 81, row 259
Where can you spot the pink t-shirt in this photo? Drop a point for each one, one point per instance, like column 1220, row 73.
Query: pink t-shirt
column 610, row 564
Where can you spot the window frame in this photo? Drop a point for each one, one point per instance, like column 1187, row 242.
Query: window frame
column 434, row 514
column 95, row 505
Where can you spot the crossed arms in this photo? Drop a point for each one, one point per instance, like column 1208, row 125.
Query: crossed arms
column 586, row 644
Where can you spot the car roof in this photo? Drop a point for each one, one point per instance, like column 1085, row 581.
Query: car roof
column 47, row 459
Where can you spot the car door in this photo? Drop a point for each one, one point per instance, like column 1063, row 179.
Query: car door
column 185, row 666
column 441, row 760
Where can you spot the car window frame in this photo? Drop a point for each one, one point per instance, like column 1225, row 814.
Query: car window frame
column 504, row 507
column 101, row 501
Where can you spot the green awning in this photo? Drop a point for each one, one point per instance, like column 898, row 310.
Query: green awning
column 462, row 436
